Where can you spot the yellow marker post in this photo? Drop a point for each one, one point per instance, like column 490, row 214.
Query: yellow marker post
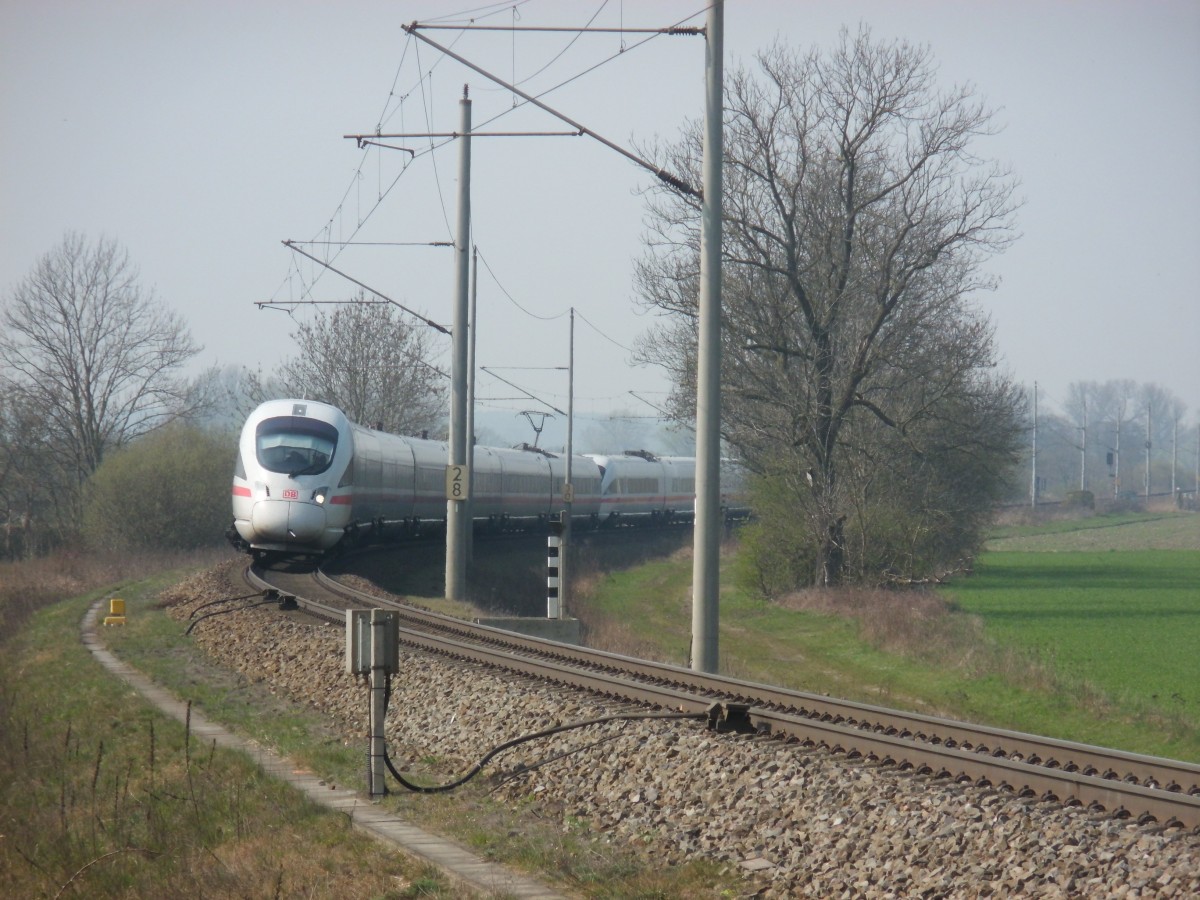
column 116, row 612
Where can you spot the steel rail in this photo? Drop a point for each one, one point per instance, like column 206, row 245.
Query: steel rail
column 1069, row 756
column 980, row 755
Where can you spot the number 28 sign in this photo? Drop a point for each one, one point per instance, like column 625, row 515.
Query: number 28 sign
column 456, row 482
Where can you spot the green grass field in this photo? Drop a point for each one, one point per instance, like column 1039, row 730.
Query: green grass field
column 1127, row 621
column 1120, row 618
column 102, row 796
column 1086, row 630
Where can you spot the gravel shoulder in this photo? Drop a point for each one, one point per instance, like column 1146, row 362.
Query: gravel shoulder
column 795, row 822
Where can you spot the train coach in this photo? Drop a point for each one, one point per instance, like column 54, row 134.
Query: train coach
column 308, row 479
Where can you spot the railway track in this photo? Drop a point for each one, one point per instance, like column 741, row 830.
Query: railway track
column 1123, row 785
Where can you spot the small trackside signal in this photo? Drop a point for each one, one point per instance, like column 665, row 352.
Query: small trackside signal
column 116, row 612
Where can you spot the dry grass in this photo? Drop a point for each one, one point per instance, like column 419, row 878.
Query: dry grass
column 617, row 634
column 29, row 585
column 99, row 797
column 910, row 621
column 919, row 624
column 1016, row 516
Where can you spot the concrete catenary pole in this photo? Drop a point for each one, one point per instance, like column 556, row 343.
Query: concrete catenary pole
column 568, row 486
column 474, row 332
column 1149, row 419
column 707, row 534
column 456, row 520
column 1174, row 452
column 1083, row 451
column 1117, row 459
column 1033, row 491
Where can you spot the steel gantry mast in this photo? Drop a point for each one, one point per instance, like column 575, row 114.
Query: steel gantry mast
column 709, row 515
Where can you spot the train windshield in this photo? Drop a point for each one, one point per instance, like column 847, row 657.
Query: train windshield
column 295, row 445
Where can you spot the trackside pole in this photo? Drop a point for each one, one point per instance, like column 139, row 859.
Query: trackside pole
column 457, row 476
column 373, row 649
column 568, row 485
column 378, row 702
column 553, row 545
column 707, row 531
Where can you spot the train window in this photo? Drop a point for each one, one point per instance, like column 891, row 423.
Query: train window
column 295, row 445
column 525, row 484
column 370, row 471
column 635, row 486
column 487, row 482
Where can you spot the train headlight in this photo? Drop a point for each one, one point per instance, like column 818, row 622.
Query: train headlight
column 319, row 495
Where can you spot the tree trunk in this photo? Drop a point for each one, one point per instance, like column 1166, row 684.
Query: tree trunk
column 831, row 557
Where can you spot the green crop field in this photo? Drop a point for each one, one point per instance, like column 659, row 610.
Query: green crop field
column 1086, row 630
column 1127, row 621
column 1111, row 606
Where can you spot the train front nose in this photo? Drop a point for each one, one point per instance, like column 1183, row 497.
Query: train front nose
column 288, row 521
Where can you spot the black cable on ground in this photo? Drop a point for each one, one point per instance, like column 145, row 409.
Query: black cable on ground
column 277, row 598
column 437, row 789
column 525, row 770
column 222, row 600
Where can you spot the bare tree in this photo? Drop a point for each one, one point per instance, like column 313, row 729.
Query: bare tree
column 232, row 392
column 30, row 479
column 1116, row 414
column 623, row 430
column 94, row 356
column 856, row 221
column 370, row 361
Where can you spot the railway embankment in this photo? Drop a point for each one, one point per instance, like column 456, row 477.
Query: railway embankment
column 796, row 824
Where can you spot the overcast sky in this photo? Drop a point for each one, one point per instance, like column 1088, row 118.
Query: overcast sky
column 201, row 135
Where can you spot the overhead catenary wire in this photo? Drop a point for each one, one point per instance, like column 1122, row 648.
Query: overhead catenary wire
column 662, row 174
column 433, row 147
column 473, row 13
column 531, row 396
column 598, row 331
column 430, row 322
column 379, row 243
column 432, row 157
column 394, row 105
column 672, row 30
column 512, row 299
column 549, row 318
column 556, row 57
column 383, row 193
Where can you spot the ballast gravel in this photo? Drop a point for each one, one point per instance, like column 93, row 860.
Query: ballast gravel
column 799, row 823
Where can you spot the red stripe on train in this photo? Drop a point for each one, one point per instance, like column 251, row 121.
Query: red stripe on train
column 239, row 491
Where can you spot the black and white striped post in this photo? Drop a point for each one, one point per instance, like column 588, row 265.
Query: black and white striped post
column 553, row 546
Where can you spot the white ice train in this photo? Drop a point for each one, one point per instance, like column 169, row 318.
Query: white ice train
column 307, row 479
